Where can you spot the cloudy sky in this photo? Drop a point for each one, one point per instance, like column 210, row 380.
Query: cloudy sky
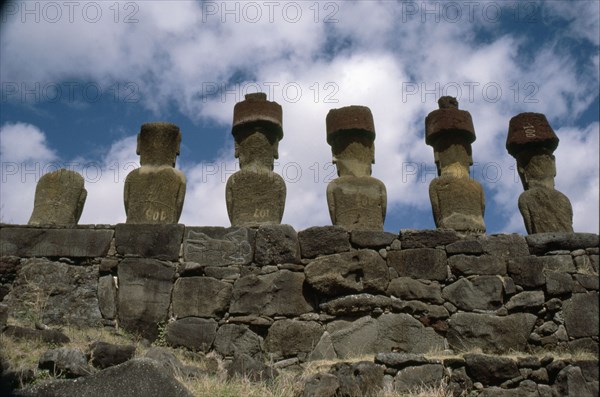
column 79, row 78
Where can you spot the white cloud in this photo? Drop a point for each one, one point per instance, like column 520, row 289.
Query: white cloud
column 22, row 142
column 178, row 49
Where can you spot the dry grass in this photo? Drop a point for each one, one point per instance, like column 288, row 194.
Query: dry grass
column 23, row 354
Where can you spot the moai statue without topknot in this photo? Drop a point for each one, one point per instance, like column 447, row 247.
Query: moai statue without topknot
column 154, row 193
column 531, row 141
column 255, row 195
column 59, row 199
column 356, row 200
column 457, row 201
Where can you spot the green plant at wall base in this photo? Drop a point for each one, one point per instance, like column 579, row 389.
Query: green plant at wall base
column 161, row 339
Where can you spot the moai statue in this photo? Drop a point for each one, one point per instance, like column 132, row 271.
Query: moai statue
column 154, row 193
column 356, row 200
column 457, row 201
column 255, row 195
column 531, row 141
column 59, row 199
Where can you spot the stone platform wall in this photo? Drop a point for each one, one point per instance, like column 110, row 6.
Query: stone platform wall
column 318, row 293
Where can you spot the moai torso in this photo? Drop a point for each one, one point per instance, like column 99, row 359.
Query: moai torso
column 59, row 199
column 458, row 204
column 255, row 195
column 356, row 200
column 154, row 193
column 457, row 201
column 532, row 141
column 546, row 210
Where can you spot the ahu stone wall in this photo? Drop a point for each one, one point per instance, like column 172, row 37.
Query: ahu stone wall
column 320, row 293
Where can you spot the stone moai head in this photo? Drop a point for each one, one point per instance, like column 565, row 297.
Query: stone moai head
column 158, row 144
column 450, row 132
column 351, row 134
column 59, row 199
column 257, row 131
column 531, row 141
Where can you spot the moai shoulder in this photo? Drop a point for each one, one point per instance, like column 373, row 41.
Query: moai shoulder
column 457, row 201
column 154, row 193
column 255, row 195
column 59, row 199
column 532, row 142
column 356, row 200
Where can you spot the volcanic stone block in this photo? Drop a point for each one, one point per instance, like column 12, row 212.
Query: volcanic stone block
column 200, row 297
column 275, row 294
column 470, row 247
column 356, row 338
column 236, row 338
column 290, row 337
column 73, row 243
column 320, row 384
column 541, row 243
column 137, row 377
column 527, row 271
column 357, row 304
column 402, row 332
column 423, row 376
column 477, row 292
column 107, row 297
column 104, row 355
column 276, row 244
column 56, row 293
column 490, row 370
column 372, row 238
column 70, row 363
column 492, row 334
column 349, row 272
column 363, row 378
column 323, row 350
column 144, row 294
column 323, row 240
column 193, row 333
column 59, row 199
column 427, row 238
column 149, row 241
column 558, row 283
column 423, row 263
column 469, row 265
column 528, row 300
column 559, row 263
column 219, row 246
column 505, row 245
column 407, row 288
column 581, row 315
column 570, row 382
column 401, row 360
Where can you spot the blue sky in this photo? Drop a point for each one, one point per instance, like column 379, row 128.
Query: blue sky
column 78, row 80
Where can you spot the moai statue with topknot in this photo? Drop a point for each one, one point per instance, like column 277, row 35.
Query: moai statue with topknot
column 255, row 195
column 457, row 201
column 531, row 141
column 59, row 199
column 154, row 193
column 356, row 200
